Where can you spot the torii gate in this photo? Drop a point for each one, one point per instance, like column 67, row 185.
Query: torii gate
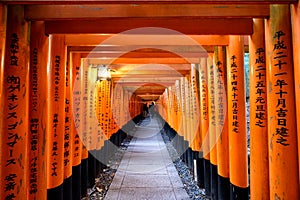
column 26, row 121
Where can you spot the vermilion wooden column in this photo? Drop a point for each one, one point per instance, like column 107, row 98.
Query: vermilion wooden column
column 3, row 16
column 221, row 122
column 91, row 139
column 282, row 129
column 178, row 140
column 38, row 113
column 198, row 153
column 259, row 170
column 184, row 120
column 189, row 133
column 55, row 166
column 76, row 124
column 205, row 123
column 295, row 9
column 238, row 164
column 14, row 107
column 68, row 140
column 84, row 124
column 195, row 109
column 212, row 127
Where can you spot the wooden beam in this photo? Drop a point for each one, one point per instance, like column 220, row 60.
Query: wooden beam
column 149, row 40
column 143, row 61
column 194, row 26
column 82, row 12
column 177, row 49
column 140, row 84
column 157, row 80
column 151, row 73
column 153, row 67
column 142, row 76
column 114, row 55
column 81, row 2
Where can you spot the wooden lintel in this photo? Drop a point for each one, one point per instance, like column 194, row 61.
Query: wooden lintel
column 133, row 81
column 154, row 67
column 120, row 50
column 113, row 55
column 143, row 61
column 136, row 84
column 81, row 2
column 127, row 40
column 82, row 12
column 179, row 74
column 196, row 26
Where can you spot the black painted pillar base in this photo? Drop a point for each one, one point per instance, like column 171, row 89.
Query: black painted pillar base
column 67, row 189
column 91, row 170
column 207, row 177
column 55, row 193
column 76, row 182
column 237, row 193
column 200, row 171
column 223, row 188
column 190, row 159
column 185, row 150
column 214, row 181
column 101, row 159
column 84, row 177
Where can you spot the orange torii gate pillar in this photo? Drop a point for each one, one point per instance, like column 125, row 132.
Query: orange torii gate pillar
column 212, row 127
column 282, row 126
column 238, row 158
column 68, row 140
column 38, row 113
column 55, row 135
column 14, row 107
column 203, row 81
column 259, row 170
column 222, row 122
column 77, row 126
column 295, row 9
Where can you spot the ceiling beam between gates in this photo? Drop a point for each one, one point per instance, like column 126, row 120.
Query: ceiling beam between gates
column 83, row 12
column 189, row 26
column 81, row 2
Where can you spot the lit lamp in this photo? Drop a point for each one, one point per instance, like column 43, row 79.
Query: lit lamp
column 103, row 73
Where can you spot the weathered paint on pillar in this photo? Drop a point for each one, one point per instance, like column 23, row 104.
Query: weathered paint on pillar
column 295, row 9
column 221, row 122
column 38, row 113
column 55, row 167
column 282, row 126
column 259, row 159
column 238, row 164
column 14, row 107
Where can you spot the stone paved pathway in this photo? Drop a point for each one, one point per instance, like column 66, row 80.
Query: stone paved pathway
column 146, row 170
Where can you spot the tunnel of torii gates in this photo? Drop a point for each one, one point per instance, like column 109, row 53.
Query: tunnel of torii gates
column 61, row 121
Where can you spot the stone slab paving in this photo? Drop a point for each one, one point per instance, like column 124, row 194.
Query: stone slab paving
column 146, row 171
